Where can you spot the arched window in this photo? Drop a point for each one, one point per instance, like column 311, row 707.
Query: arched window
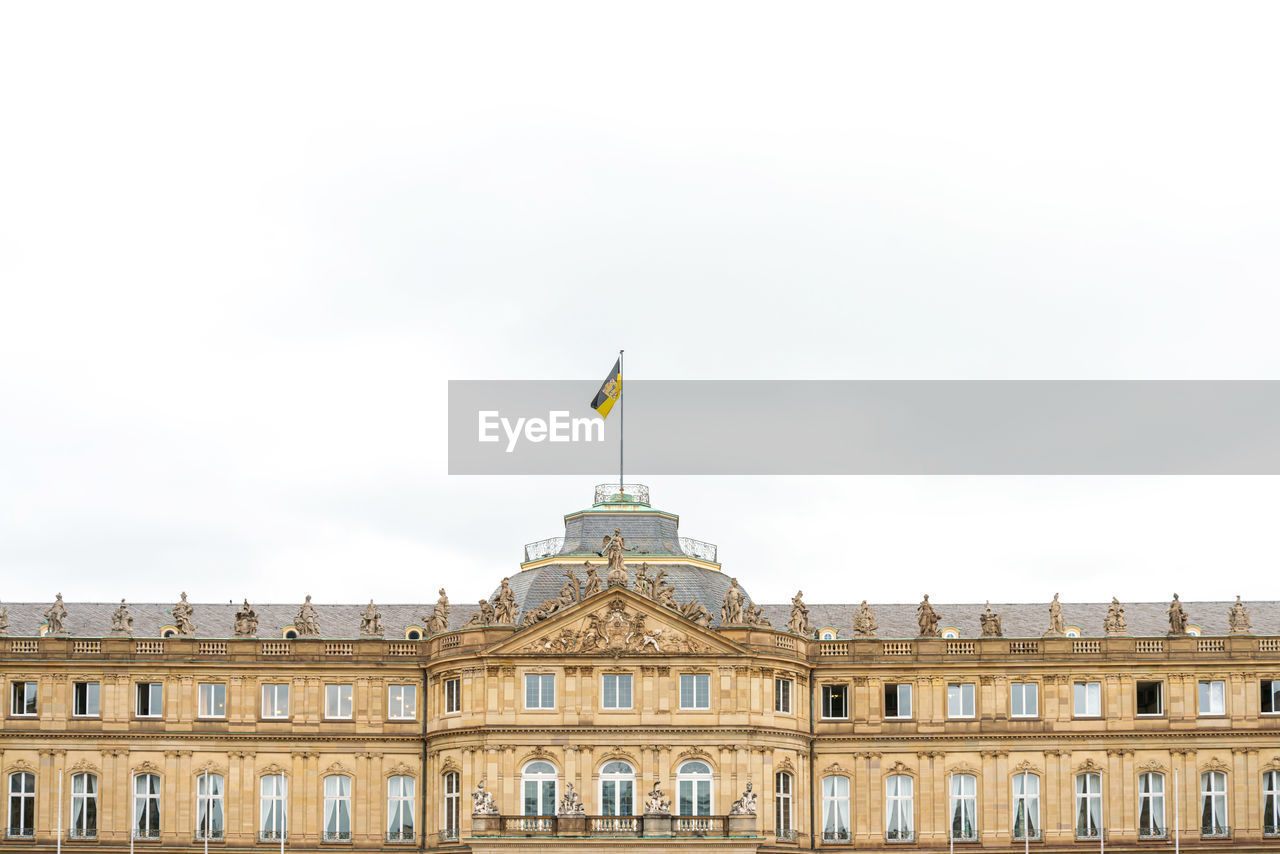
column 899, row 808
column 964, row 807
column 22, row 804
column 617, row 788
column 693, row 788
column 1271, row 803
column 1026, row 806
column 400, row 801
column 146, row 806
column 337, row 807
column 539, row 788
column 272, row 808
column 782, row 805
column 452, row 804
column 209, row 789
column 1151, row 806
column 413, row 633
column 835, row 809
column 1213, row 804
column 84, row 806
column 1088, row 806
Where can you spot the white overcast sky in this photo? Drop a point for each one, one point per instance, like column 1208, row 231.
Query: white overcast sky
column 244, row 246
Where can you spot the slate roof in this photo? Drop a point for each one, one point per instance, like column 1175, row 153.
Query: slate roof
column 93, row 619
column 532, row 587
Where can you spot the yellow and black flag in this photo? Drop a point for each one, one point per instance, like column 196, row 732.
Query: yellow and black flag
column 610, row 391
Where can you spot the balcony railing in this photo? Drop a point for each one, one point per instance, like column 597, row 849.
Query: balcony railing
column 615, row 825
column 407, row 835
column 448, row 835
column 20, row 832
column 83, row 833
column 529, row 825
column 900, row 836
column 835, row 835
column 1220, row 831
column 337, row 836
column 791, row 835
column 1087, row 833
column 146, row 833
column 1271, row 830
column 212, row 835
column 700, row 825
column 1153, row 833
column 272, row 835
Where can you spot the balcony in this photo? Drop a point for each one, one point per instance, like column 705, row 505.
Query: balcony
column 83, row 833
column 835, row 836
column 337, row 836
column 1153, row 833
column 214, row 835
column 146, row 833
column 625, row 826
column 272, row 835
column 449, row 835
column 900, row 836
column 1219, row 831
column 20, row 833
column 407, row 835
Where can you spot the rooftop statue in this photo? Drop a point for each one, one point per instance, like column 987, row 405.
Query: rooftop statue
column 181, row 613
column 504, row 611
column 696, row 611
column 1057, row 624
column 246, row 624
column 613, row 549
column 754, row 616
column 483, row 617
column 1238, row 619
column 307, row 623
column 370, row 621
column 56, row 617
column 990, row 623
column 1114, row 624
column 593, row 585
column 4, row 621
column 664, row 593
column 1177, row 617
column 121, row 622
column 864, row 621
column 571, row 592
column 642, row 584
column 745, row 805
column 799, row 622
column 439, row 620
column 928, row 619
column 731, row 610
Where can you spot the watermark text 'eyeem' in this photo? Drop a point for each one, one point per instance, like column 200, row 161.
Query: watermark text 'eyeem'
column 556, row 427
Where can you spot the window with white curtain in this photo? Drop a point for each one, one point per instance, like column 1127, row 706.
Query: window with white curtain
column 1151, row 805
column 84, row 806
column 1026, row 806
column 1213, row 697
column 337, row 807
column 400, row 805
column 452, row 804
column 209, row 815
column 1088, row 806
column 1271, row 803
column 1213, row 804
column 272, row 807
column 782, row 805
column 899, row 791
column 835, row 809
column 22, row 804
column 146, row 806
column 964, row 807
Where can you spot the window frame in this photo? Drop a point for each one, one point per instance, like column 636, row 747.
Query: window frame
column 696, row 780
column 973, row 701
column 1271, row 801
column 338, row 800
column 783, row 804
column 695, row 677
column 783, row 692
column 1028, row 800
column 1137, row 686
column 1160, row 829
column 407, row 803
column 904, row 805
column 960, row 799
column 833, row 802
column 897, row 688
column 1026, row 687
column 280, row 817
column 30, row 690
column 1094, row 687
column 830, row 691
column 542, row 680
column 618, row 679
column 208, row 800
column 201, row 711
column 1272, row 697
column 451, row 784
column 275, row 690
column 88, row 816
column 1211, row 684
column 1084, row 805
column 75, row 699
column 617, row 778
column 350, row 699
column 1207, row 779
column 539, row 779
column 453, row 695
column 155, row 705
column 137, row 816
column 26, row 796
column 408, row 691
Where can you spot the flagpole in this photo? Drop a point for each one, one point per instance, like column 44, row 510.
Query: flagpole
column 622, row 423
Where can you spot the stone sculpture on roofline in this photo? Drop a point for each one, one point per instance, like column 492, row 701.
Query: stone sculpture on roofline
column 1115, row 625
column 1177, row 617
column 246, row 624
column 928, row 619
column 121, row 622
column 990, row 621
column 1238, row 619
column 1057, row 623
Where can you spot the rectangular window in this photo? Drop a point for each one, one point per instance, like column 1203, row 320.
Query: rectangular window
column 84, row 701
column 782, row 696
column 1213, row 698
column 452, row 695
column 617, row 690
column 960, row 702
column 213, row 700
column 695, row 690
column 835, row 702
column 24, row 699
column 539, row 691
column 337, row 702
column 1024, row 699
column 897, row 700
column 1088, row 699
column 402, row 702
column 1271, row 696
column 149, row 703
column 1149, row 699
column 275, row 701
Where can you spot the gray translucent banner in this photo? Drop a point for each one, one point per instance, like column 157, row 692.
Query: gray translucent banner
column 868, row 427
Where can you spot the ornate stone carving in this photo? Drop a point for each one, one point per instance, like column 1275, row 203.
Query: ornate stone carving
column 593, row 583
column 1088, row 766
column 1057, row 623
column 483, row 617
column 1177, row 617
column 482, row 801
column 864, row 621
column 731, row 608
column 570, row 802
column 798, row 624
column 1238, row 619
column 439, row 620
column 4, row 621
column 307, row 623
column 695, row 611
column 571, row 591
column 928, row 619
column 663, row 593
column 504, row 612
column 657, row 803
column 612, row 549
column 642, row 584
column 1114, row 624
column 990, row 623
column 754, row 616
column 1152, row 765
column 371, row 621
column 784, row 764
column 618, row 630
column 1214, row 764
column 181, row 613
column 246, row 624
column 745, row 805
column 121, row 622
column 56, row 617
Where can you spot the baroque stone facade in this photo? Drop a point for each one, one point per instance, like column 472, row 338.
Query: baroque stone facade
column 409, row 727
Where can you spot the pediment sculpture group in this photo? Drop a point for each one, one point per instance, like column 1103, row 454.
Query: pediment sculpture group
column 656, row 803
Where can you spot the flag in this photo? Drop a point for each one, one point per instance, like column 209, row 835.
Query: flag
column 610, row 391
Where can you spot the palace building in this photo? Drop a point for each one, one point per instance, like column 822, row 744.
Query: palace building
column 621, row 691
